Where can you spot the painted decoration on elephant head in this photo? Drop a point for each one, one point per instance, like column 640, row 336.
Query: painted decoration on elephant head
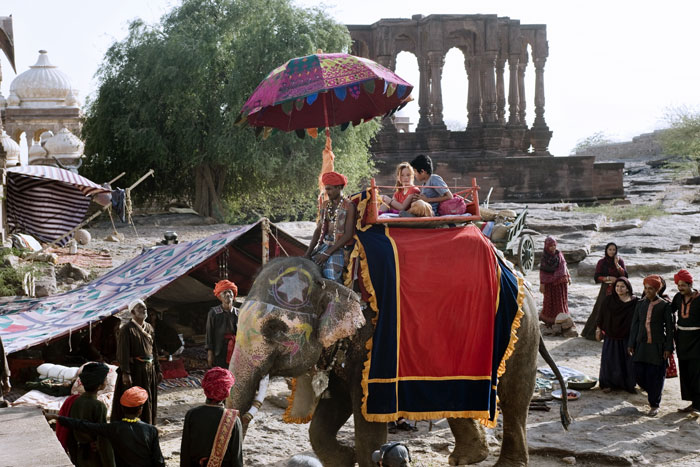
column 292, row 287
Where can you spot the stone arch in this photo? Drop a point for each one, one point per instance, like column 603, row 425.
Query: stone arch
column 407, row 67
column 455, row 104
column 360, row 48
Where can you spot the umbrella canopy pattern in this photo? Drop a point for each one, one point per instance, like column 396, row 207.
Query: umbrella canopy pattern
column 46, row 202
column 324, row 90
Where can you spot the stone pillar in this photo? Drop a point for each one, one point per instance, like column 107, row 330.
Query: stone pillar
column 488, row 87
column 437, row 61
column 387, row 123
column 471, row 63
column 521, row 91
column 513, row 91
column 500, row 91
column 540, row 134
column 424, row 94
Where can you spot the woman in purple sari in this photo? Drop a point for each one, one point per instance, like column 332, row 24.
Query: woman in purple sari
column 606, row 273
column 554, row 282
column 614, row 320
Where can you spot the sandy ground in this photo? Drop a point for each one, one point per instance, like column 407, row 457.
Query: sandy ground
column 609, row 429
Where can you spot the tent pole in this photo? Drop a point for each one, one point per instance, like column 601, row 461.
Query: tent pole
column 88, row 220
column 265, row 224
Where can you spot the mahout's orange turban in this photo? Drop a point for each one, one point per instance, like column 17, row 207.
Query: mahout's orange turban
column 334, row 178
column 653, row 281
column 217, row 383
column 135, row 396
column 225, row 285
column 683, row 275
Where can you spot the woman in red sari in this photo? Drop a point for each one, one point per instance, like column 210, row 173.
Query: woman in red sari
column 554, row 282
column 606, row 273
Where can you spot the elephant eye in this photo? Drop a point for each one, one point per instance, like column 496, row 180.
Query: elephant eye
column 273, row 328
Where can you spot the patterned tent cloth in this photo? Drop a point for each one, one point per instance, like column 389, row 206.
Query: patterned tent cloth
column 47, row 202
column 25, row 322
column 324, row 90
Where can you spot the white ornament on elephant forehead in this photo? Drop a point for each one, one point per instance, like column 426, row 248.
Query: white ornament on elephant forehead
column 294, row 288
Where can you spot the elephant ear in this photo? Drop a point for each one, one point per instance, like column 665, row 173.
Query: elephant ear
column 342, row 316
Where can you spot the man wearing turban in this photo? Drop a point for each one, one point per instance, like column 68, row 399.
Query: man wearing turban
column 651, row 341
column 211, row 433
column 687, row 305
column 133, row 441
column 222, row 324
column 334, row 230
column 87, row 449
column 138, row 362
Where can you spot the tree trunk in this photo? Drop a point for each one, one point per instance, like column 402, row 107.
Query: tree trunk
column 209, row 183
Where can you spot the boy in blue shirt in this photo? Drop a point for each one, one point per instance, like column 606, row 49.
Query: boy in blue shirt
column 423, row 167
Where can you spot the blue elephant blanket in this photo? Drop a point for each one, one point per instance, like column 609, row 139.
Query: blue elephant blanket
column 448, row 309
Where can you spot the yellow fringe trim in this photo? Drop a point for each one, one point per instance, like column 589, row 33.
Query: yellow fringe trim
column 361, row 208
column 287, row 417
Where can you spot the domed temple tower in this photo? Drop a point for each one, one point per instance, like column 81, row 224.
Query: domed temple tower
column 42, row 100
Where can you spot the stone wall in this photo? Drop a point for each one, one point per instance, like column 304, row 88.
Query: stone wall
column 642, row 147
column 521, row 179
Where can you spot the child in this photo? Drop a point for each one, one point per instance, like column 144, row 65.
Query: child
column 423, row 166
column 403, row 196
column 135, row 443
column 86, row 449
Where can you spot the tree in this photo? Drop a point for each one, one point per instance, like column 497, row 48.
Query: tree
column 682, row 139
column 169, row 95
column 596, row 139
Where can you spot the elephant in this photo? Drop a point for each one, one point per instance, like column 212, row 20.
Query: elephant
column 294, row 321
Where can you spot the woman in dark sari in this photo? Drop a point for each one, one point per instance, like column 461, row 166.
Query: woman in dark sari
column 554, row 282
column 606, row 273
column 614, row 320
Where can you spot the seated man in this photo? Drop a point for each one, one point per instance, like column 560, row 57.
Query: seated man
column 335, row 228
column 423, row 166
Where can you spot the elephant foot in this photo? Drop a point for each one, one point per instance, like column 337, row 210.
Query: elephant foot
column 468, row 457
column 343, row 456
column 504, row 462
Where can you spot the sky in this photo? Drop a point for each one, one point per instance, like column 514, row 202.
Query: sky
column 615, row 67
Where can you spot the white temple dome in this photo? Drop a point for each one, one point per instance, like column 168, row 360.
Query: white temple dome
column 36, row 152
column 43, row 85
column 64, row 144
column 11, row 150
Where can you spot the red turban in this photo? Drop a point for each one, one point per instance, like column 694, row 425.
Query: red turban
column 653, row 281
column 334, row 178
column 217, row 383
column 225, row 285
column 684, row 276
column 135, row 396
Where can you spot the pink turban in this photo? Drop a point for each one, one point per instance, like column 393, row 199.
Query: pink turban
column 217, row 383
column 225, row 285
column 135, row 396
column 653, row 281
column 683, row 275
column 334, row 178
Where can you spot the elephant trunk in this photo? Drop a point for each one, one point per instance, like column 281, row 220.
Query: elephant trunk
column 248, row 376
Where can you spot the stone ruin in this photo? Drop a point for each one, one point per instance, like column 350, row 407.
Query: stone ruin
column 497, row 146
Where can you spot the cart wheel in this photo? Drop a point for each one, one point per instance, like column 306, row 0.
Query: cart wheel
column 526, row 254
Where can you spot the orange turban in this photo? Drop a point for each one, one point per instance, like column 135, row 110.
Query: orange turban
column 135, row 396
column 334, row 178
column 217, row 383
column 225, row 285
column 653, row 281
column 683, row 275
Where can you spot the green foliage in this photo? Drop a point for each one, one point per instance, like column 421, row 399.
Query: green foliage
column 682, row 139
column 617, row 212
column 10, row 278
column 169, row 94
column 596, row 139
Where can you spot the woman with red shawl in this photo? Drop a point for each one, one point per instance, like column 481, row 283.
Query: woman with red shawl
column 606, row 273
column 554, row 282
column 614, row 321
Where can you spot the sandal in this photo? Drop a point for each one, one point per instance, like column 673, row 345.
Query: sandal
column 391, row 427
column 404, row 426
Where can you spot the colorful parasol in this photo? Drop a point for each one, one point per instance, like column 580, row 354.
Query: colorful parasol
column 324, row 90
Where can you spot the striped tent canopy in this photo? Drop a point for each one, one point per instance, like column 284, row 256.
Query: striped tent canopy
column 47, row 202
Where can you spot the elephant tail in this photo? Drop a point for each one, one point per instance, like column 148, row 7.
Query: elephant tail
column 564, row 407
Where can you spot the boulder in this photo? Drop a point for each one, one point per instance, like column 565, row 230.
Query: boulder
column 10, row 261
column 83, row 237
column 622, row 225
column 45, row 283
column 75, row 273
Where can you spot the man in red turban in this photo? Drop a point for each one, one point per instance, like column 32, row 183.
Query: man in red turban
column 211, row 432
column 687, row 306
column 329, row 247
column 651, row 341
column 133, row 441
column 222, row 323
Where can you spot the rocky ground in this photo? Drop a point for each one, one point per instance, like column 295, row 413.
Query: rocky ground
column 608, row 428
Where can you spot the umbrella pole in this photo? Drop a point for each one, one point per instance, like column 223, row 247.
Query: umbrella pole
column 328, row 156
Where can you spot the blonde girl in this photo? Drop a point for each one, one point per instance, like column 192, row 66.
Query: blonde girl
column 405, row 191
